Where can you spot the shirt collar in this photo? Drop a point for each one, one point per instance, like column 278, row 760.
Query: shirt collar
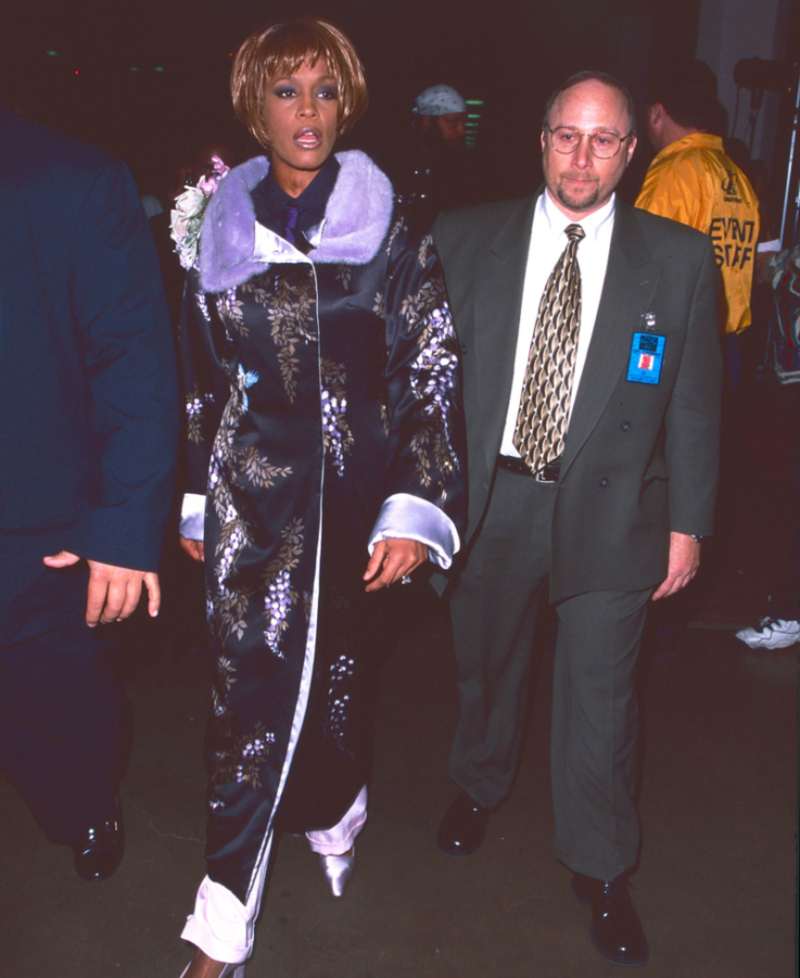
column 556, row 221
column 269, row 199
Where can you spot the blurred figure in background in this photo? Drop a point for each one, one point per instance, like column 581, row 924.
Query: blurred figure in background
column 693, row 181
column 437, row 172
column 779, row 626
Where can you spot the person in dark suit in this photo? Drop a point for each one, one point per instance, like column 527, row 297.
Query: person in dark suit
column 591, row 387
column 89, row 408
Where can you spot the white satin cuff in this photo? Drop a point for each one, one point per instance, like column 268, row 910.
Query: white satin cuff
column 408, row 517
column 221, row 925
column 193, row 514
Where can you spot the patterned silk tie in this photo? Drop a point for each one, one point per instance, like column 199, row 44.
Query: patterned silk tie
column 544, row 406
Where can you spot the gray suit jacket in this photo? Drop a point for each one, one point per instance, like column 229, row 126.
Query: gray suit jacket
column 640, row 460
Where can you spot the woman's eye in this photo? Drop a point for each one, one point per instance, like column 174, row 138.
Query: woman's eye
column 328, row 93
column 285, row 91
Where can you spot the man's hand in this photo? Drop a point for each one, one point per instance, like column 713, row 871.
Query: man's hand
column 113, row 592
column 393, row 559
column 194, row 548
column 684, row 559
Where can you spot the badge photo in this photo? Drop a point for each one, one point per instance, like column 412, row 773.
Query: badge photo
column 647, row 354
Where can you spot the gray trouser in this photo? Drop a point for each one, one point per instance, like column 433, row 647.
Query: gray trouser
column 595, row 722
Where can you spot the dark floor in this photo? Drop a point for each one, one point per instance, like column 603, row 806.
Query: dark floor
column 716, row 886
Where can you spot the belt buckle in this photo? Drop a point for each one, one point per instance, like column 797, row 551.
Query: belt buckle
column 548, row 474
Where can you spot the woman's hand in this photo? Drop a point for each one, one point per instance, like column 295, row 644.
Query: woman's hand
column 194, row 548
column 393, row 559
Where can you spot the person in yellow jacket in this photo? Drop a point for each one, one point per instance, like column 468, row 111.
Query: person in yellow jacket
column 693, row 181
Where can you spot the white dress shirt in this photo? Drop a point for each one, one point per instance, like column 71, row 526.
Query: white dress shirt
column 548, row 240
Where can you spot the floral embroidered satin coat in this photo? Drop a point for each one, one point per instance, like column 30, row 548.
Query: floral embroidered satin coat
column 323, row 413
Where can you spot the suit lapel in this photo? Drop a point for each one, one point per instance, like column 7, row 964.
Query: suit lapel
column 628, row 290
column 498, row 301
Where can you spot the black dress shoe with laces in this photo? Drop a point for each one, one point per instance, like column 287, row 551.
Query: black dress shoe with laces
column 616, row 930
column 463, row 827
column 98, row 852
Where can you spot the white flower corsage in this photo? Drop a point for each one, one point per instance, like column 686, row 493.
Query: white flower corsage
column 190, row 207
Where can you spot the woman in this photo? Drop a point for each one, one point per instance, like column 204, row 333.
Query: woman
column 325, row 440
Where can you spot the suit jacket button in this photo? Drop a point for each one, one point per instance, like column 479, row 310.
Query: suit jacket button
column 626, row 426
column 603, row 482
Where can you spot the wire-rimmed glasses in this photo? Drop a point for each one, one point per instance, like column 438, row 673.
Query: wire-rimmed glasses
column 603, row 144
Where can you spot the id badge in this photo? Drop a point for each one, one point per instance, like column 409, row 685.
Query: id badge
column 647, row 353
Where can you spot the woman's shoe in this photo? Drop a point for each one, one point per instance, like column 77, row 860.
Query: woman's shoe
column 338, row 870
column 229, row 971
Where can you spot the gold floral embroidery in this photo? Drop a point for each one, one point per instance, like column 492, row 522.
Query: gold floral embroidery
column 291, row 311
column 257, row 469
column 418, row 445
column 231, row 311
column 231, row 608
column 226, row 672
column 424, row 248
column 421, row 304
column 243, row 757
column 195, row 413
column 399, row 225
column 344, row 274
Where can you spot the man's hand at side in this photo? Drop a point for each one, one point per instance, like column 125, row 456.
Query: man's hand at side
column 684, row 559
column 113, row 592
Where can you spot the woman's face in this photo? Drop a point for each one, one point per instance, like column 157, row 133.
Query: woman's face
column 302, row 115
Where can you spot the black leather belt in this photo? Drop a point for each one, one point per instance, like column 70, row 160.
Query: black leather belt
column 548, row 474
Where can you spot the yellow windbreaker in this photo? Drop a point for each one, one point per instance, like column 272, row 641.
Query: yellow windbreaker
column 694, row 182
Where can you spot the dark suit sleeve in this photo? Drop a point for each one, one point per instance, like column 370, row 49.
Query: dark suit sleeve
column 119, row 310
column 439, row 233
column 693, row 416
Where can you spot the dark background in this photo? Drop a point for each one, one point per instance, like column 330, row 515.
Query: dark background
column 509, row 54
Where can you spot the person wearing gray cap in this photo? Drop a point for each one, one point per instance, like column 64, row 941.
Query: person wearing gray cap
column 440, row 109
column 435, row 174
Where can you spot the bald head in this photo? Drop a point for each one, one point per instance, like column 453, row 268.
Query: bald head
column 598, row 76
column 593, row 113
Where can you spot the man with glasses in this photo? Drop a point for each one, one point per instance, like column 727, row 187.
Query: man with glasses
column 591, row 387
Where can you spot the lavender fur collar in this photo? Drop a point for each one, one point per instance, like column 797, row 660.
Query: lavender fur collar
column 356, row 221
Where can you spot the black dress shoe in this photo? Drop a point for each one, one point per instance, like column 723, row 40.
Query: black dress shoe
column 98, row 852
column 616, row 930
column 463, row 827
